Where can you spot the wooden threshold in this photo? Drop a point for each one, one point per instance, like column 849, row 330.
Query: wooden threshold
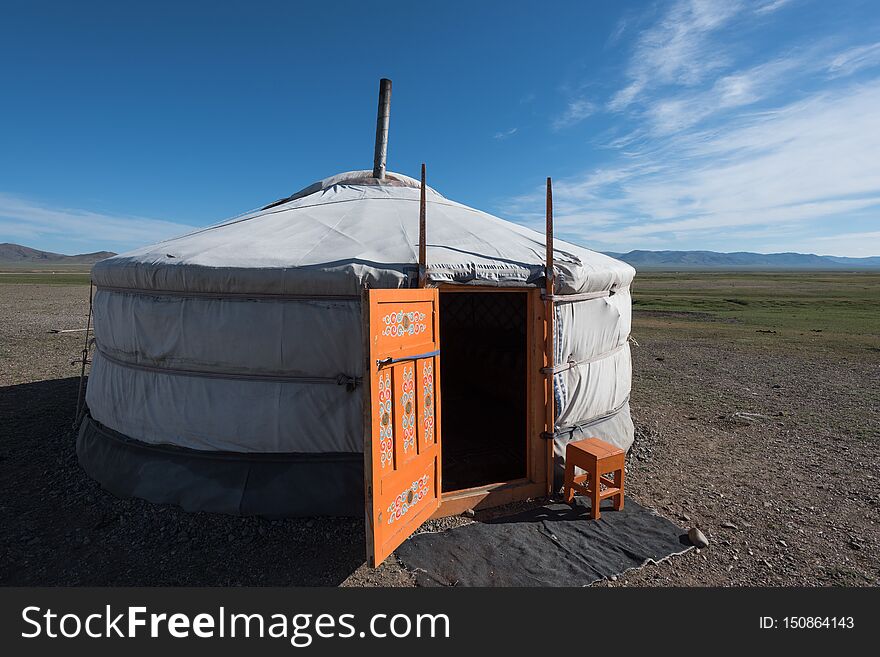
column 485, row 497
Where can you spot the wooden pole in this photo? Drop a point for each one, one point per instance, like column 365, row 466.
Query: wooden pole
column 551, row 344
column 423, row 237
column 383, row 117
column 549, row 272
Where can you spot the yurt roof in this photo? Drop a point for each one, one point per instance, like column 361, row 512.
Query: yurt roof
column 350, row 230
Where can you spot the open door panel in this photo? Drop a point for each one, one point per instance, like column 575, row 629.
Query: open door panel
column 402, row 412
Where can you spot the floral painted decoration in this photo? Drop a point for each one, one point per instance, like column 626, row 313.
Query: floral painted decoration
column 400, row 323
column 408, row 404
column 386, row 427
column 408, row 498
column 428, row 401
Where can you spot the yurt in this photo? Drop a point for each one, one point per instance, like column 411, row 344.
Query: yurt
column 289, row 361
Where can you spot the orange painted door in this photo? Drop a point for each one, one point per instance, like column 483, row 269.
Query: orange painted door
column 402, row 441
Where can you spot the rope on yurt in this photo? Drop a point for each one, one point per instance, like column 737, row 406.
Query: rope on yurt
column 572, row 298
column 583, row 424
column 244, row 296
column 586, row 361
column 351, row 382
column 80, row 406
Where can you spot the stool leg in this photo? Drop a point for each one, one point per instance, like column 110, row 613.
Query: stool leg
column 595, row 490
column 568, row 490
column 618, row 483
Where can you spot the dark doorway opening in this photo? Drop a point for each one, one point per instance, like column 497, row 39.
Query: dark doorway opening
column 483, row 342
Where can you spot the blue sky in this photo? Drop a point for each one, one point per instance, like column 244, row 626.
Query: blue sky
column 710, row 124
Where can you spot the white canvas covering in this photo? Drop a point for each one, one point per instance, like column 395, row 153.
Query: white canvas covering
column 350, row 232
column 245, row 337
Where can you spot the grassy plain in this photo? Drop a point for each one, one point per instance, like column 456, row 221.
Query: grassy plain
column 836, row 309
column 39, row 274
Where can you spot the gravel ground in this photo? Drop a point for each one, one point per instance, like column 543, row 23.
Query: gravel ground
column 771, row 451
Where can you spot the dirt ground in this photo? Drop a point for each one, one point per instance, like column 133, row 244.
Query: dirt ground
column 766, row 441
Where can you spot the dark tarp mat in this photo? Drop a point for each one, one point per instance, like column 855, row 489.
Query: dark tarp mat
column 552, row 545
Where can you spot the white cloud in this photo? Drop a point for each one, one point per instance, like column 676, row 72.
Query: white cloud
column 727, row 156
column 682, row 71
column 771, row 6
column 858, row 245
column 796, row 170
column 24, row 220
column 623, row 98
column 577, row 110
column 855, row 59
column 678, row 49
column 729, row 92
column 505, row 134
column 622, row 26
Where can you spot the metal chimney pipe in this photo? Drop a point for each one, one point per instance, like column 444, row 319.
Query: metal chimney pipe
column 380, row 155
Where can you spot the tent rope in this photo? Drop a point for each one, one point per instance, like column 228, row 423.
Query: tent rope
column 570, row 429
column 571, row 364
column 351, row 382
column 243, row 296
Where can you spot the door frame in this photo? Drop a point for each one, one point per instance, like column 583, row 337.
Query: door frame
column 537, row 482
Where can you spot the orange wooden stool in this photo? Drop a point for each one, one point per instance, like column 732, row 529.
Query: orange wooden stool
column 598, row 458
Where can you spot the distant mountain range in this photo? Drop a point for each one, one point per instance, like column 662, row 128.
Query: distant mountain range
column 16, row 254
column 741, row 260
